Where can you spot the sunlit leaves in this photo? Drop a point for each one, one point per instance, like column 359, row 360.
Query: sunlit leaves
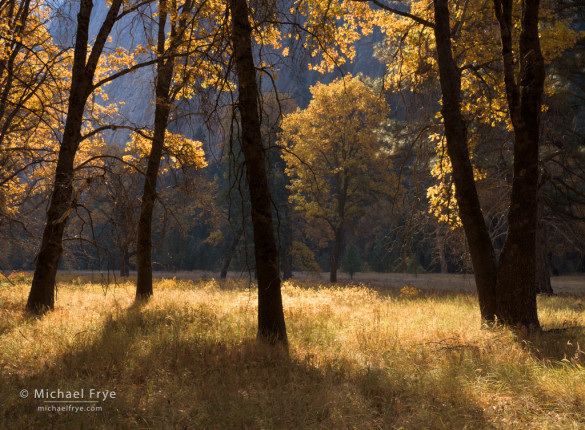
column 33, row 74
column 179, row 150
column 334, row 156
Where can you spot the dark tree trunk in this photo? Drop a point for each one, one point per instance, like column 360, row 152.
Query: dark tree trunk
column 516, row 286
column 335, row 253
column 164, row 77
column 480, row 245
column 271, row 325
column 229, row 254
column 161, row 118
column 42, row 293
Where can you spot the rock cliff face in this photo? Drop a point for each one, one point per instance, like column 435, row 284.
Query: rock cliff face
column 136, row 90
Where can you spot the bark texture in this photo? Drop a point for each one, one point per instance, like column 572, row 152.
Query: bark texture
column 516, row 286
column 480, row 245
column 42, row 293
column 271, row 325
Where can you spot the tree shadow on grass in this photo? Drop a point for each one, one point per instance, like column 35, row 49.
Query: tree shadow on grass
column 180, row 368
column 563, row 333
column 559, row 346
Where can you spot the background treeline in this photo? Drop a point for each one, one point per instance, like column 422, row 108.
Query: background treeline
column 202, row 220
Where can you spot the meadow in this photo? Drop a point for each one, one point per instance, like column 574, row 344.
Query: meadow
column 359, row 357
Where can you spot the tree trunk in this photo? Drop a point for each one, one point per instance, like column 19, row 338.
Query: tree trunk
column 335, row 254
column 480, row 245
column 164, row 77
column 516, row 286
column 229, row 254
column 271, row 325
column 144, row 242
column 42, row 293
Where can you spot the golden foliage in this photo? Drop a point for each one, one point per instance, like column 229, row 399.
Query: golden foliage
column 180, row 151
column 335, row 158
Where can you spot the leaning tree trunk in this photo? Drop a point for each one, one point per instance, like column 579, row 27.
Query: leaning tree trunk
column 271, row 325
column 516, row 286
column 480, row 245
column 42, row 293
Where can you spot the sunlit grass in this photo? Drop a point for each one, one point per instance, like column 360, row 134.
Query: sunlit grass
column 358, row 358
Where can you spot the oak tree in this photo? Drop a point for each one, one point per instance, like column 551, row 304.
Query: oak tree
column 335, row 157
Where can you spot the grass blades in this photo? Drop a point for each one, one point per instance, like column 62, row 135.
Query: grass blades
column 358, row 358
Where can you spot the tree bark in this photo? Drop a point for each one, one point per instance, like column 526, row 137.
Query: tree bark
column 271, row 325
column 480, row 245
column 42, row 293
column 516, row 286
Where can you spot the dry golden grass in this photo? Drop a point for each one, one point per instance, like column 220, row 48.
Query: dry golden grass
column 358, row 358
